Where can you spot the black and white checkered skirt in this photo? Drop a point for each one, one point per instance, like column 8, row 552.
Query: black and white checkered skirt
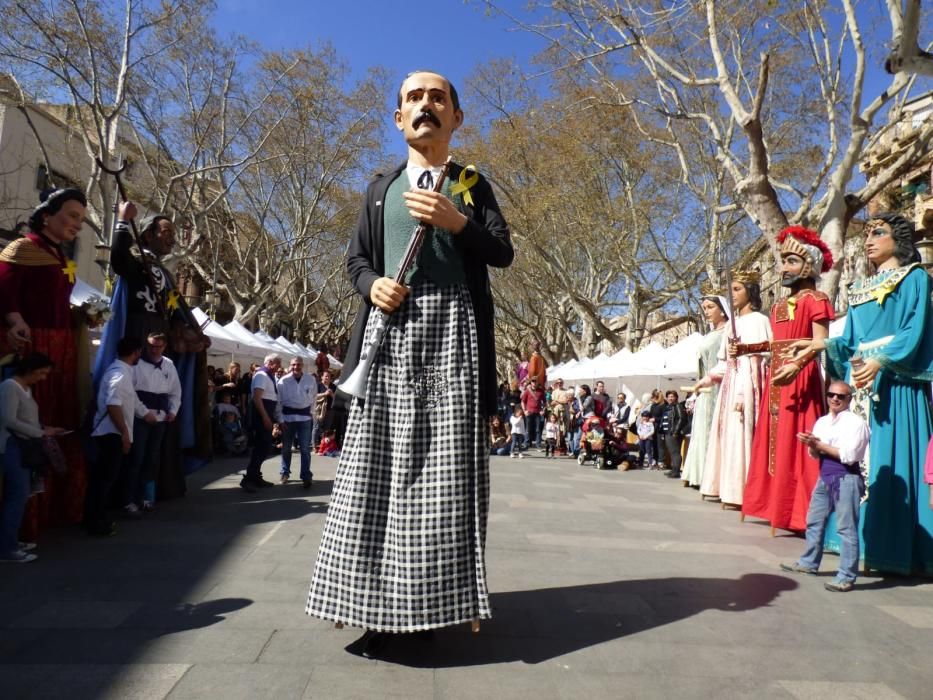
column 404, row 540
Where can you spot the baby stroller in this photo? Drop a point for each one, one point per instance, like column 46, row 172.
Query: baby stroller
column 593, row 442
column 229, row 427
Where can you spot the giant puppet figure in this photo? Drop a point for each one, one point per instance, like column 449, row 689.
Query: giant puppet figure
column 715, row 308
column 743, row 385
column 886, row 351
column 36, row 279
column 782, row 474
column 404, row 540
column 146, row 301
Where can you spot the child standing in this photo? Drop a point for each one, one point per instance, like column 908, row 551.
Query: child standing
column 551, row 433
column 518, row 432
column 645, row 429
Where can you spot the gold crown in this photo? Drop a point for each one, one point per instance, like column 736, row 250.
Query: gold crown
column 707, row 289
column 746, row 276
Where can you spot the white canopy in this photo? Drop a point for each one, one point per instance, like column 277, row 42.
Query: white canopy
column 224, row 343
column 652, row 367
column 681, row 359
column 82, row 292
column 296, row 349
column 269, row 340
column 244, row 335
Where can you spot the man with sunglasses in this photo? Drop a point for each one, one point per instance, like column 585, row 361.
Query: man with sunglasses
column 838, row 441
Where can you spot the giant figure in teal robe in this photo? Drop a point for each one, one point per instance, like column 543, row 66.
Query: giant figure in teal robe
column 890, row 320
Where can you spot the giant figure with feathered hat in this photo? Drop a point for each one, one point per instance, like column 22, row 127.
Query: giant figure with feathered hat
column 782, row 474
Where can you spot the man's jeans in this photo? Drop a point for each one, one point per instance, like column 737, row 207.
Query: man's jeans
column 142, row 467
column 573, row 441
column 15, row 496
column 301, row 429
column 672, row 446
column 847, row 513
column 534, row 421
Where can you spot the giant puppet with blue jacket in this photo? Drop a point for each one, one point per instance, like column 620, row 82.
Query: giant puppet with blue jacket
column 886, row 352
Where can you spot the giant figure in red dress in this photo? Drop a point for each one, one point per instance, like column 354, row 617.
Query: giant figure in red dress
column 782, row 474
column 36, row 279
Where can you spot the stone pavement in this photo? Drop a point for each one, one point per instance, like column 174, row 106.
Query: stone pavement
column 603, row 584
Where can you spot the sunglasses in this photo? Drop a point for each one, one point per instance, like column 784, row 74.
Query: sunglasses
column 841, row 397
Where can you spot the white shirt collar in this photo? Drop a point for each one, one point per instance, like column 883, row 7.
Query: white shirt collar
column 414, row 172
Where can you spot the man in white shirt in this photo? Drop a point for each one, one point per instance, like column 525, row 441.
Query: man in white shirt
column 297, row 392
column 159, row 392
column 266, row 412
column 839, row 441
column 621, row 412
column 113, row 435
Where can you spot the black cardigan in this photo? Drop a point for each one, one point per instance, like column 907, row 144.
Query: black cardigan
column 484, row 241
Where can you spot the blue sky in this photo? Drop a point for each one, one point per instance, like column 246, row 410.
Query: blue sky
column 450, row 36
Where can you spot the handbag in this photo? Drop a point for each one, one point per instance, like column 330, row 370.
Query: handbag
column 31, row 453
column 320, row 408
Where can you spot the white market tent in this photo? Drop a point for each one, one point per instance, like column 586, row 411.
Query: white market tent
column 295, row 349
column 681, row 358
column 652, row 367
column 247, row 337
column 272, row 342
column 82, row 292
column 226, row 344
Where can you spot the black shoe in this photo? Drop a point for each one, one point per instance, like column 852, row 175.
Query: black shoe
column 306, row 484
column 263, row 484
column 102, row 530
column 370, row 645
column 673, row 475
column 247, row 485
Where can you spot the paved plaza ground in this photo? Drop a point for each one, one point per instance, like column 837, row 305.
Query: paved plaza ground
column 603, row 585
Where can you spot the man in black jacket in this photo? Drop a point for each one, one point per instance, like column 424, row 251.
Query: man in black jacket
column 672, row 428
column 414, row 469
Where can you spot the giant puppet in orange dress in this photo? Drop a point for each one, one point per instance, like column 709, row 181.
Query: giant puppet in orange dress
column 36, row 279
column 782, row 474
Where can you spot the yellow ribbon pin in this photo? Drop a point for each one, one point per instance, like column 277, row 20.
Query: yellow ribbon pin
column 69, row 271
column 172, row 300
column 468, row 177
column 881, row 292
column 791, row 306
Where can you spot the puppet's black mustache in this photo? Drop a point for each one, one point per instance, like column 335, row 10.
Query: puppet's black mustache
column 426, row 116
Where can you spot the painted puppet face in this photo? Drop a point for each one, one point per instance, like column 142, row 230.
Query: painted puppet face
column 879, row 241
column 64, row 225
column 792, row 269
column 740, row 298
column 427, row 114
column 712, row 312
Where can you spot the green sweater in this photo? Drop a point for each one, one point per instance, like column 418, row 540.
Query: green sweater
column 439, row 260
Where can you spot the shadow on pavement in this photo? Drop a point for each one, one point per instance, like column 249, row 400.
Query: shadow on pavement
column 539, row 625
column 104, row 601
